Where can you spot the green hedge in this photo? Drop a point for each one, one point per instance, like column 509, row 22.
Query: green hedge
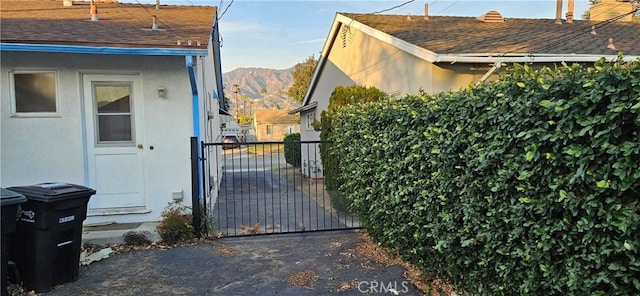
column 292, row 149
column 341, row 96
column 529, row 185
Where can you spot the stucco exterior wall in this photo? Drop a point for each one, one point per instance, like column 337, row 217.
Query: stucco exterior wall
column 35, row 150
column 279, row 131
column 360, row 59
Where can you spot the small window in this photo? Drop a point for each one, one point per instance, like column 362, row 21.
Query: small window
column 34, row 93
column 270, row 130
column 113, row 112
column 311, row 117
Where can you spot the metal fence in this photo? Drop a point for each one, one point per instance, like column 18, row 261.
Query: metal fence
column 260, row 192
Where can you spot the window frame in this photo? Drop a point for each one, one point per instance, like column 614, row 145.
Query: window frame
column 96, row 114
column 12, row 93
column 310, row 117
column 270, row 129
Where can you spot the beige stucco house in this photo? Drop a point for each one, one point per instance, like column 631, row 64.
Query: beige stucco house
column 402, row 54
column 274, row 125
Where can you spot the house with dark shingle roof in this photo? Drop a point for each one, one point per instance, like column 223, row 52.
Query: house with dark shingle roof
column 273, row 125
column 107, row 96
column 402, row 54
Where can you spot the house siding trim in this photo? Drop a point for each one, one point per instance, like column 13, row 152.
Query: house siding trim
column 101, row 50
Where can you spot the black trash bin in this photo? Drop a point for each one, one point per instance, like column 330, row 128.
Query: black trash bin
column 47, row 241
column 10, row 202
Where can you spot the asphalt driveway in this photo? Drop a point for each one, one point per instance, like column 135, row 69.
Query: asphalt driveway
column 317, row 263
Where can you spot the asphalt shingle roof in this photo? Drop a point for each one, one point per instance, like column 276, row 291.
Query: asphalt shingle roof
column 468, row 35
column 274, row 117
column 119, row 25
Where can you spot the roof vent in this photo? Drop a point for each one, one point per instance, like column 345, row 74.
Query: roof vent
column 491, row 17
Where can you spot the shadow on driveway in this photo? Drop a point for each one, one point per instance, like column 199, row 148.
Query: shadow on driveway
column 317, row 263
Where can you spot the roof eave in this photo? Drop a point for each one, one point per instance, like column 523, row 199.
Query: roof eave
column 528, row 58
column 52, row 48
column 304, row 108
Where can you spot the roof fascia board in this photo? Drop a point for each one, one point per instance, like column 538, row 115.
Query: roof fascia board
column 527, row 58
column 304, row 108
column 413, row 49
column 101, row 50
column 324, row 56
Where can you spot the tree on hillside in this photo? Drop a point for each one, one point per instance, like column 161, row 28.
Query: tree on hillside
column 302, row 74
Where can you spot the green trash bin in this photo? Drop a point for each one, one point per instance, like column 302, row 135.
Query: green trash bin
column 48, row 237
column 10, row 202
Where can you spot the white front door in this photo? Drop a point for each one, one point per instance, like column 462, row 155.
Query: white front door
column 114, row 142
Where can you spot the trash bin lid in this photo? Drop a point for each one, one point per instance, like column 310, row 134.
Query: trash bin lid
column 53, row 191
column 10, row 197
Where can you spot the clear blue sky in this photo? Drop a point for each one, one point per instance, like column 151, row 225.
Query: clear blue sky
column 279, row 34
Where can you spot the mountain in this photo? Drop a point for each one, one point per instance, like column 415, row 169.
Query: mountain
column 259, row 88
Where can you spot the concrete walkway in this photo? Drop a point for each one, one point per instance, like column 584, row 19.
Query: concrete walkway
column 112, row 233
column 318, row 263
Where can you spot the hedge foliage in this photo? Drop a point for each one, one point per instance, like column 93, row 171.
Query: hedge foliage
column 292, row 149
column 340, row 97
column 528, row 185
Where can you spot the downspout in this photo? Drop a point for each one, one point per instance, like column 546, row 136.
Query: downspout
column 194, row 99
column 195, row 104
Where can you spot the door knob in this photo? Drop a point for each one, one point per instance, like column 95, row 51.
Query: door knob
column 140, row 146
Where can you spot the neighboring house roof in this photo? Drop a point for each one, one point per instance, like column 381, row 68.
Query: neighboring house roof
column 447, row 35
column 449, row 39
column 273, row 117
column 49, row 26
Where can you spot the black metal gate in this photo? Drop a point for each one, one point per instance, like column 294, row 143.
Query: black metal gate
column 259, row 191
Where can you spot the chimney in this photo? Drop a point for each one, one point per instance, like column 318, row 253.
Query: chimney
column 570, row 10
column 611, row 45
column 157, row 4
column 426, row 11
column 559, row 12
column 94, row 12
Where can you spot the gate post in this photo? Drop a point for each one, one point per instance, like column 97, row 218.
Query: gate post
column 195, row 188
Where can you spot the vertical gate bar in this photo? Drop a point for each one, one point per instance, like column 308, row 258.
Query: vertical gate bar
column 316, row 197
column 205, row 191
column 309, row 195
column 218, row 204
column 240, row 170
column 280, row 193
column 324, row 211
column 295, row 212
column 264, row 182
column 294, row 190
column 233, row 194
column 273, row 209
column 255, row 172
column 195, row 196
column 331, row 200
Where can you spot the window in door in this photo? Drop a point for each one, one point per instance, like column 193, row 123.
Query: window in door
column 113, row 113
column 33, row 93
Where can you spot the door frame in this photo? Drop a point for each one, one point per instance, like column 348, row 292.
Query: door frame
column 89, row 133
